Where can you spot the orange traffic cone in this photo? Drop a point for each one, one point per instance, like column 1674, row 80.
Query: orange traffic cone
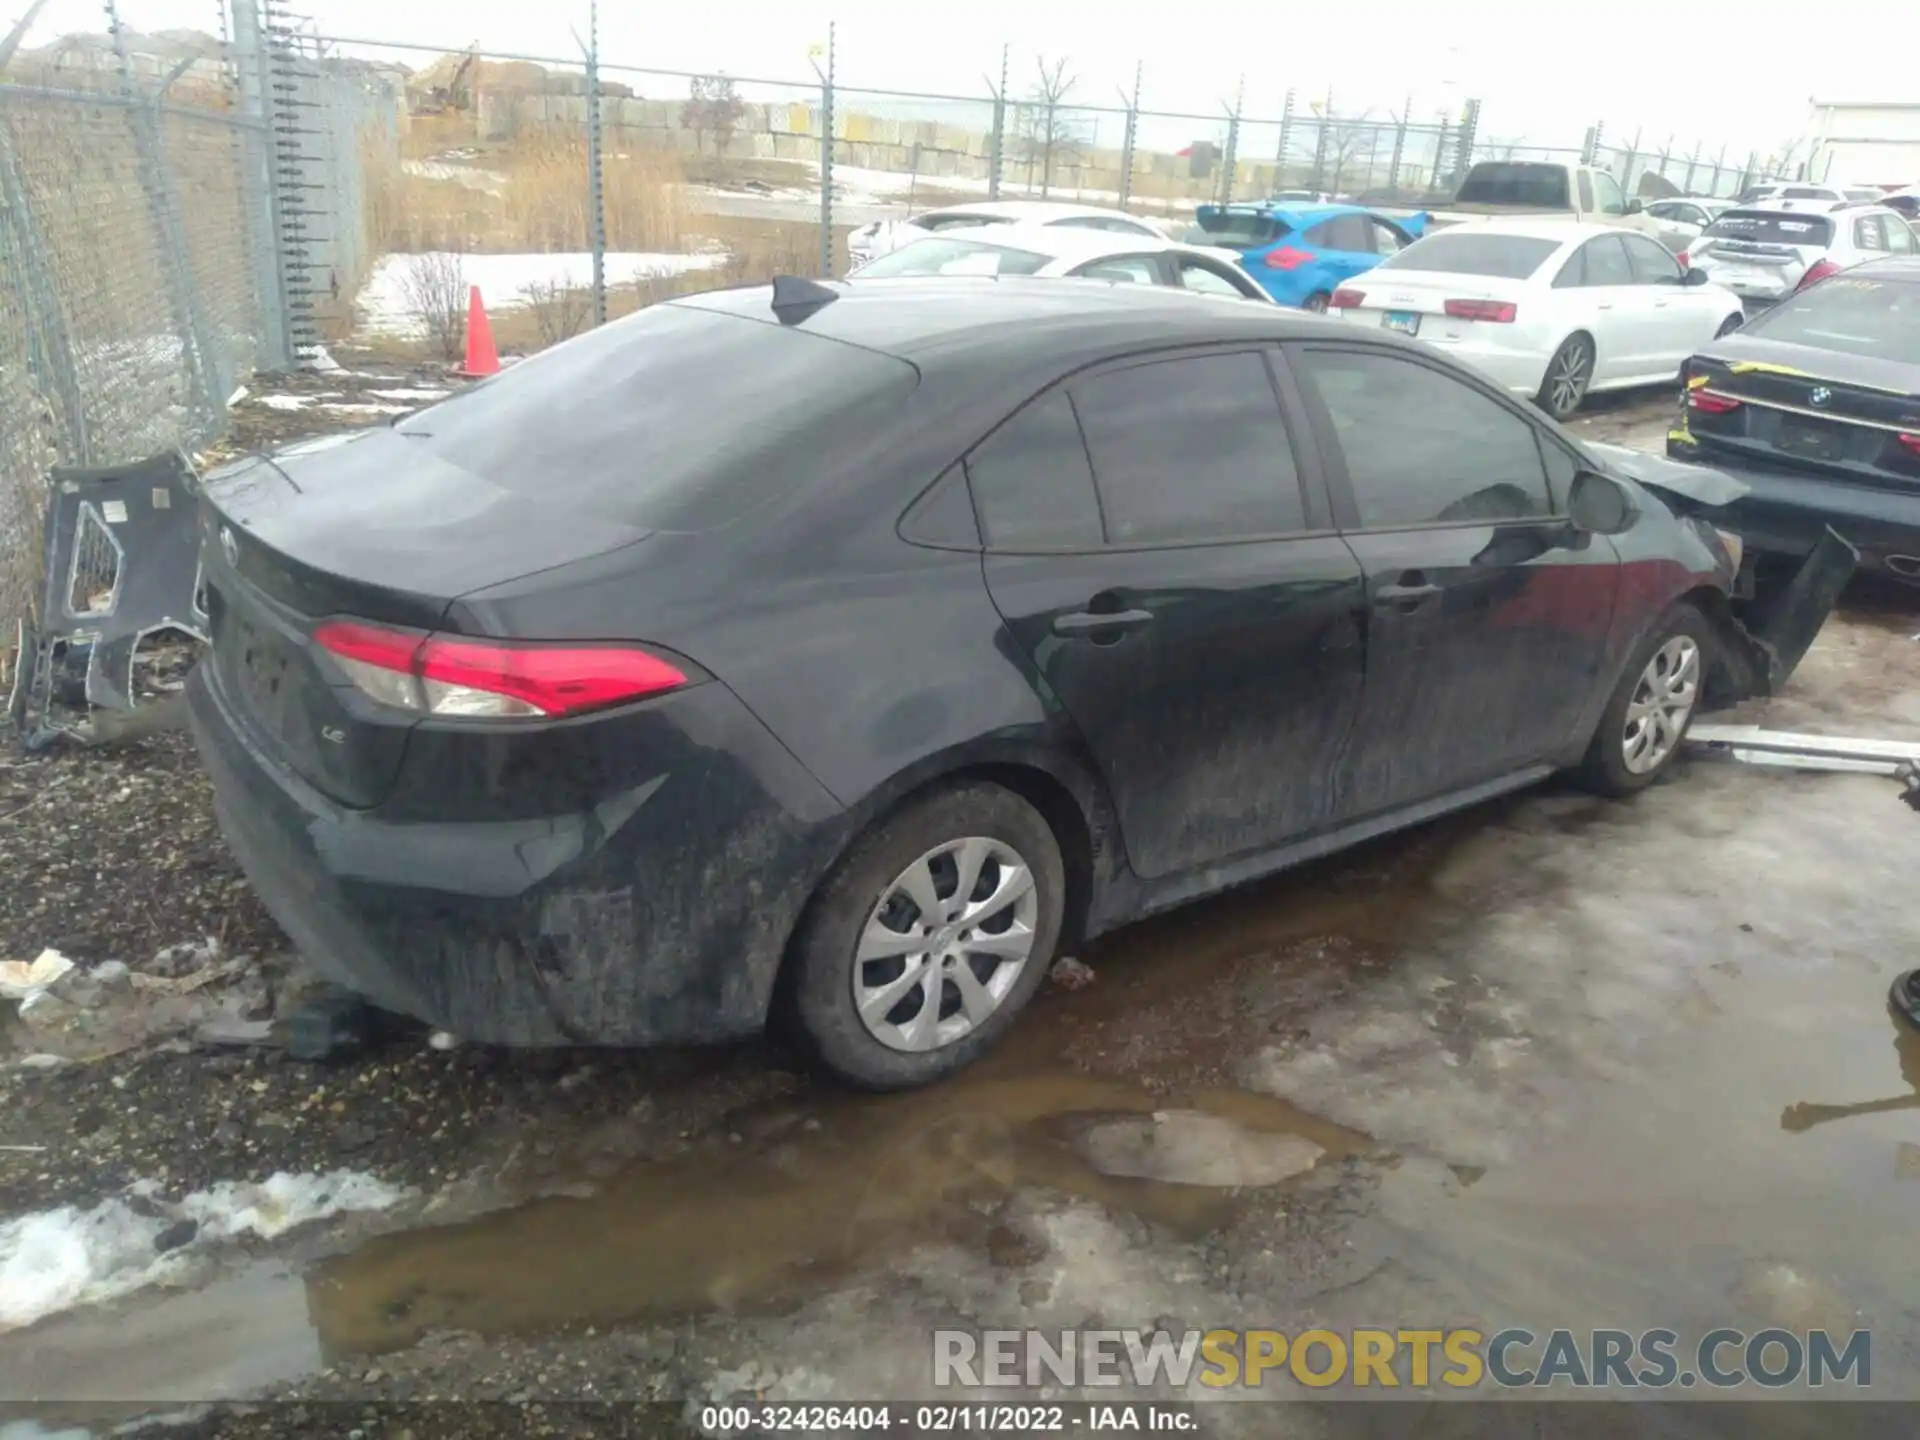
column 482, row 359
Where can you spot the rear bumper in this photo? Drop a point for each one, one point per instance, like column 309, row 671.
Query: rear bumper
column 1786, row 512
column 659, row 915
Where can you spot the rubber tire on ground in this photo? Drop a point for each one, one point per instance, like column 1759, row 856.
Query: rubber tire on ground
column 817, row 1001
column 1543, row 400
column 1320, row 308
column 1729, row 325
column 1605, row 767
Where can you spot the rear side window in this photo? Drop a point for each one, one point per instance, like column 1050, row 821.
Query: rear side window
column 1857, row 316
column 1423, row 448
column 1461, row 252
column 1190, row 449
column 954, row 222
column 1772, row 229
column 1031, row 483
column 674, row 418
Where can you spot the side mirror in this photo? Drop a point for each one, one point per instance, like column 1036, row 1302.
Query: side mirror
column 1634, row 207
column 1599, row 504
column 1695, row 276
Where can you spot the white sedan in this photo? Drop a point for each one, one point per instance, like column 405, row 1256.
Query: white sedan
column 1044, row 250
column 1547, row 309
column 871, row 241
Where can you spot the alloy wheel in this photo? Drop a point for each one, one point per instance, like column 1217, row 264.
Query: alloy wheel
column 1567, row 382
column 1661, row 705
column 946, row 943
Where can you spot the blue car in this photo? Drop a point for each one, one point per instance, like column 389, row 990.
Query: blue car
column 1300, row 253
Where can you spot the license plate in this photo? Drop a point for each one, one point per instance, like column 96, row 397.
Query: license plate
column 1815, row 442
column 1406, row 322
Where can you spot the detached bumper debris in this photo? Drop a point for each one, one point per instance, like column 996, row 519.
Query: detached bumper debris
column 1783, row 748
column 122, row 553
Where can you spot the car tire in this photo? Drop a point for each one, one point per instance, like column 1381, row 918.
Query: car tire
column 1568, row 375
column 868, row 896
column 1317, row 302
column 1729, row 325
column 1645, row 723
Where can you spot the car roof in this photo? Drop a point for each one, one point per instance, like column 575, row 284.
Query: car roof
column 1031, row 210
column 1062, row 242
column 1894, row 267
column 935, row 321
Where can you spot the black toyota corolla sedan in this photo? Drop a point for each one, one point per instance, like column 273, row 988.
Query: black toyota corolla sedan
column 833, row 655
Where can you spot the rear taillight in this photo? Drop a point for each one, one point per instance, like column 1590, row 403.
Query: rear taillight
column 1346, row 299
column 1685, row 264
column 445, row 675
column 1911, row 440
column 1499, row 312
column 1285, row 257
column 1708, row 403
column 1816, row 272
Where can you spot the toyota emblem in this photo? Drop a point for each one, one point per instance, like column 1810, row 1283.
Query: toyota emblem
column 1821, row 395
column 229, row 546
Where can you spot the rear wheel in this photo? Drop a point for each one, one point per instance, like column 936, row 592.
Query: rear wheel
column 1316, row 302
column 928, row 938
column 1568, row 375
column 1647, row 717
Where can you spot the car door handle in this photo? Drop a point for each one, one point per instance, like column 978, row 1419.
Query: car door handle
column 1406, row 595
column 1098, row 622
column 1604, row 305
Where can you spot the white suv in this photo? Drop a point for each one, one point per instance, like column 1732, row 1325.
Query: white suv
column 1765, row 252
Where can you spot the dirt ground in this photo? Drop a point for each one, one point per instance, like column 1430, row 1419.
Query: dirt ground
column 1553, row 1060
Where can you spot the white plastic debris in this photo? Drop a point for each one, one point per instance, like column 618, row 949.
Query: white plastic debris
column 53, row 1260
column 22, row 980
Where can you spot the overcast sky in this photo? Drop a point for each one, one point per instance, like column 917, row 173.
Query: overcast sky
column 1543, row 70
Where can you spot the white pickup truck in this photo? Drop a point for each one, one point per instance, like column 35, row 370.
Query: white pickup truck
column 1542, row 189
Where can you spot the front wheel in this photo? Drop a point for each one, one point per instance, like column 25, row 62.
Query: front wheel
column 928, row 938
column 1569, row 374
column 1652, row 705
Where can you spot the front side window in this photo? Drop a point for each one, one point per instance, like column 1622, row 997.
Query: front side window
column 1605, row 262
column 1192, row 449
column 1204, row 279
column 1122, row 270
column 1653, row 263
column 1607, row 190
column 1423, row 448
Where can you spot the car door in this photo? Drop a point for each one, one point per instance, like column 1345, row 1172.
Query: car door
column 1487, row 614
column 1617, row 311
column 1177, row 584
column 1678, row 315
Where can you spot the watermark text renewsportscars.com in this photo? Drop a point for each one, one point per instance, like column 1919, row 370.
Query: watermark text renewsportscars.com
column 1375, row 1360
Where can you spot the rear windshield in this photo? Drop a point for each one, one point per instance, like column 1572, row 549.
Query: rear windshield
column 674, row 418
column 1863, row 192
column 1464, row 252
column 1875, row 318
column 1237, row 229
column 1806, row 192
column 1771, row 229
column 944, row 255
column 1508, row 182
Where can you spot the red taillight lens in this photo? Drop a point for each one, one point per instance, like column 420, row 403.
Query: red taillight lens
column 443, row 675
column 1346, row 299
column 1910, row 440
column 1708, row 403
column 1685, row 264
column 1500, row 312
column 1285, row 257
column 1816, row 272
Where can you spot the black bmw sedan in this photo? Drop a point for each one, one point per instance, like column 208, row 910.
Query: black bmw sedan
column 833, row 655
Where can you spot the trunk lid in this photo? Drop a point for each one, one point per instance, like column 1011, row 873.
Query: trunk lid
column 372, row 526
column 1414, row 302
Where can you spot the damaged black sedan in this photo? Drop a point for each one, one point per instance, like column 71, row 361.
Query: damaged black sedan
column 833, row 656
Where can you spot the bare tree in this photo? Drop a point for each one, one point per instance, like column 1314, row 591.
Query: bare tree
column 560, row 311
column 1042, row 135
column 1348, row 140
column 433, row 287
column 713, row 107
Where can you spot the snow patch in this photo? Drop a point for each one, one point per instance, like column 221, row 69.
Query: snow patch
column 504, row 280
column 419, row 395
column 286, row 402
column 53, row 1260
